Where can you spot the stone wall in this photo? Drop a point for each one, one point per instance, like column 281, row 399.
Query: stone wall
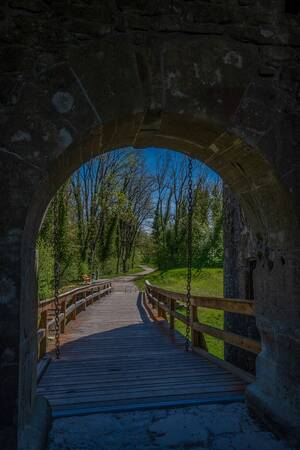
column 239, row 272
column 218, row 80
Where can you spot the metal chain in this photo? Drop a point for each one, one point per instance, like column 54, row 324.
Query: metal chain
column 189, row 254
column 56, row 241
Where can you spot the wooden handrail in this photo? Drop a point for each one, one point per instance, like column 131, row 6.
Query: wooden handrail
column 71, row 303
column 166, row 301
column 236, row 305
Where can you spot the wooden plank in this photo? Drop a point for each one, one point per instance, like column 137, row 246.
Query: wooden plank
column 142, row 400
column 127, row 373
column 133, row 385
column 197, row 368
column 242, row 374
column 116, row 356
column 144, row 405
column 136, row 394
column 231, row 338
column 146, row 380
column 77, row 396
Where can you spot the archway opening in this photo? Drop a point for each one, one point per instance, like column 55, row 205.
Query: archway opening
column 246, row 172
column 120, row 214
column 126, row 208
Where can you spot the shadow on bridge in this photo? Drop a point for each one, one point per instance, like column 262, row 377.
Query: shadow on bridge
column 132, row 362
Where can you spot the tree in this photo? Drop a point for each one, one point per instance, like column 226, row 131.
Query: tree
column 108, row 206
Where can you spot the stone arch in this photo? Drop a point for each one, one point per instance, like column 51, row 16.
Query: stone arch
column 118, row 93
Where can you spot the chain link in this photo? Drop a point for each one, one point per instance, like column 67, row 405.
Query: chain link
column 56, row 240
column 189, row 254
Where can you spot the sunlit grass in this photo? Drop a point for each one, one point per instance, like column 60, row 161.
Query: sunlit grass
column 205, row 282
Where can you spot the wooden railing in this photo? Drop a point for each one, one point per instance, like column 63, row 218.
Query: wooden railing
column 71, row 304
column 167, row 304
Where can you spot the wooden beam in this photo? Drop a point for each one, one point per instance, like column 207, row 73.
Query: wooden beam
column 43, row 339
column 198, row 339
column 172, row 308
column 231, row 338
column 181, row 317
column 234, row 305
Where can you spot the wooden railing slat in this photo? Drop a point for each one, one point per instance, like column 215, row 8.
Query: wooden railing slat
column 162, row 298
column 231, row 338
column 236, row 305
column 180, row 317
column 68, row 311
column 225, row 304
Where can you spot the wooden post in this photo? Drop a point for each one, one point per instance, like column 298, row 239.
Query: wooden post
column 146, row 298
column 155, row 301
column 74, row 303
column 172, row 304
column 198, row 340
column 152, row 300
column 84, row 304
column 158, row 307
column 64, row 321
column 163, row 312
column 44, row 325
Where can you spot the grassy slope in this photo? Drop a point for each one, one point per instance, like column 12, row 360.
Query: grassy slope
column 204, row 282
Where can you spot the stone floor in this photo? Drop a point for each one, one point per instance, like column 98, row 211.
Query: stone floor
column 213, row 427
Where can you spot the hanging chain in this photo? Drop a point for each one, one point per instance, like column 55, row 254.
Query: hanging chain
column 189, row 253
column 56, row 240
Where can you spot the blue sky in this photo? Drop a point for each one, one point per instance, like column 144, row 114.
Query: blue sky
column 153, row 154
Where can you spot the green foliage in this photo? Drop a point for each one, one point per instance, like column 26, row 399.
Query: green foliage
column 45, row 264
column 171, row 217
column 102, row 210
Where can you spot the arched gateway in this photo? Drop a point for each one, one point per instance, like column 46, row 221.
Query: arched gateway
column 199, row 90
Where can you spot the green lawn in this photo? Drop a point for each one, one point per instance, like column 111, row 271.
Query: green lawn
column 204, row 282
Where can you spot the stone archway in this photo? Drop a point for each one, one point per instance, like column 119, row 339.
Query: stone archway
column 199, row 95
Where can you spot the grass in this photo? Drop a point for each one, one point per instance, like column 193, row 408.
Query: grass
column 131, row 271
column 205, row 282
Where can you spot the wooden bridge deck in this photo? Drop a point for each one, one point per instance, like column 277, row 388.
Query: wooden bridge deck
column 115, row 357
